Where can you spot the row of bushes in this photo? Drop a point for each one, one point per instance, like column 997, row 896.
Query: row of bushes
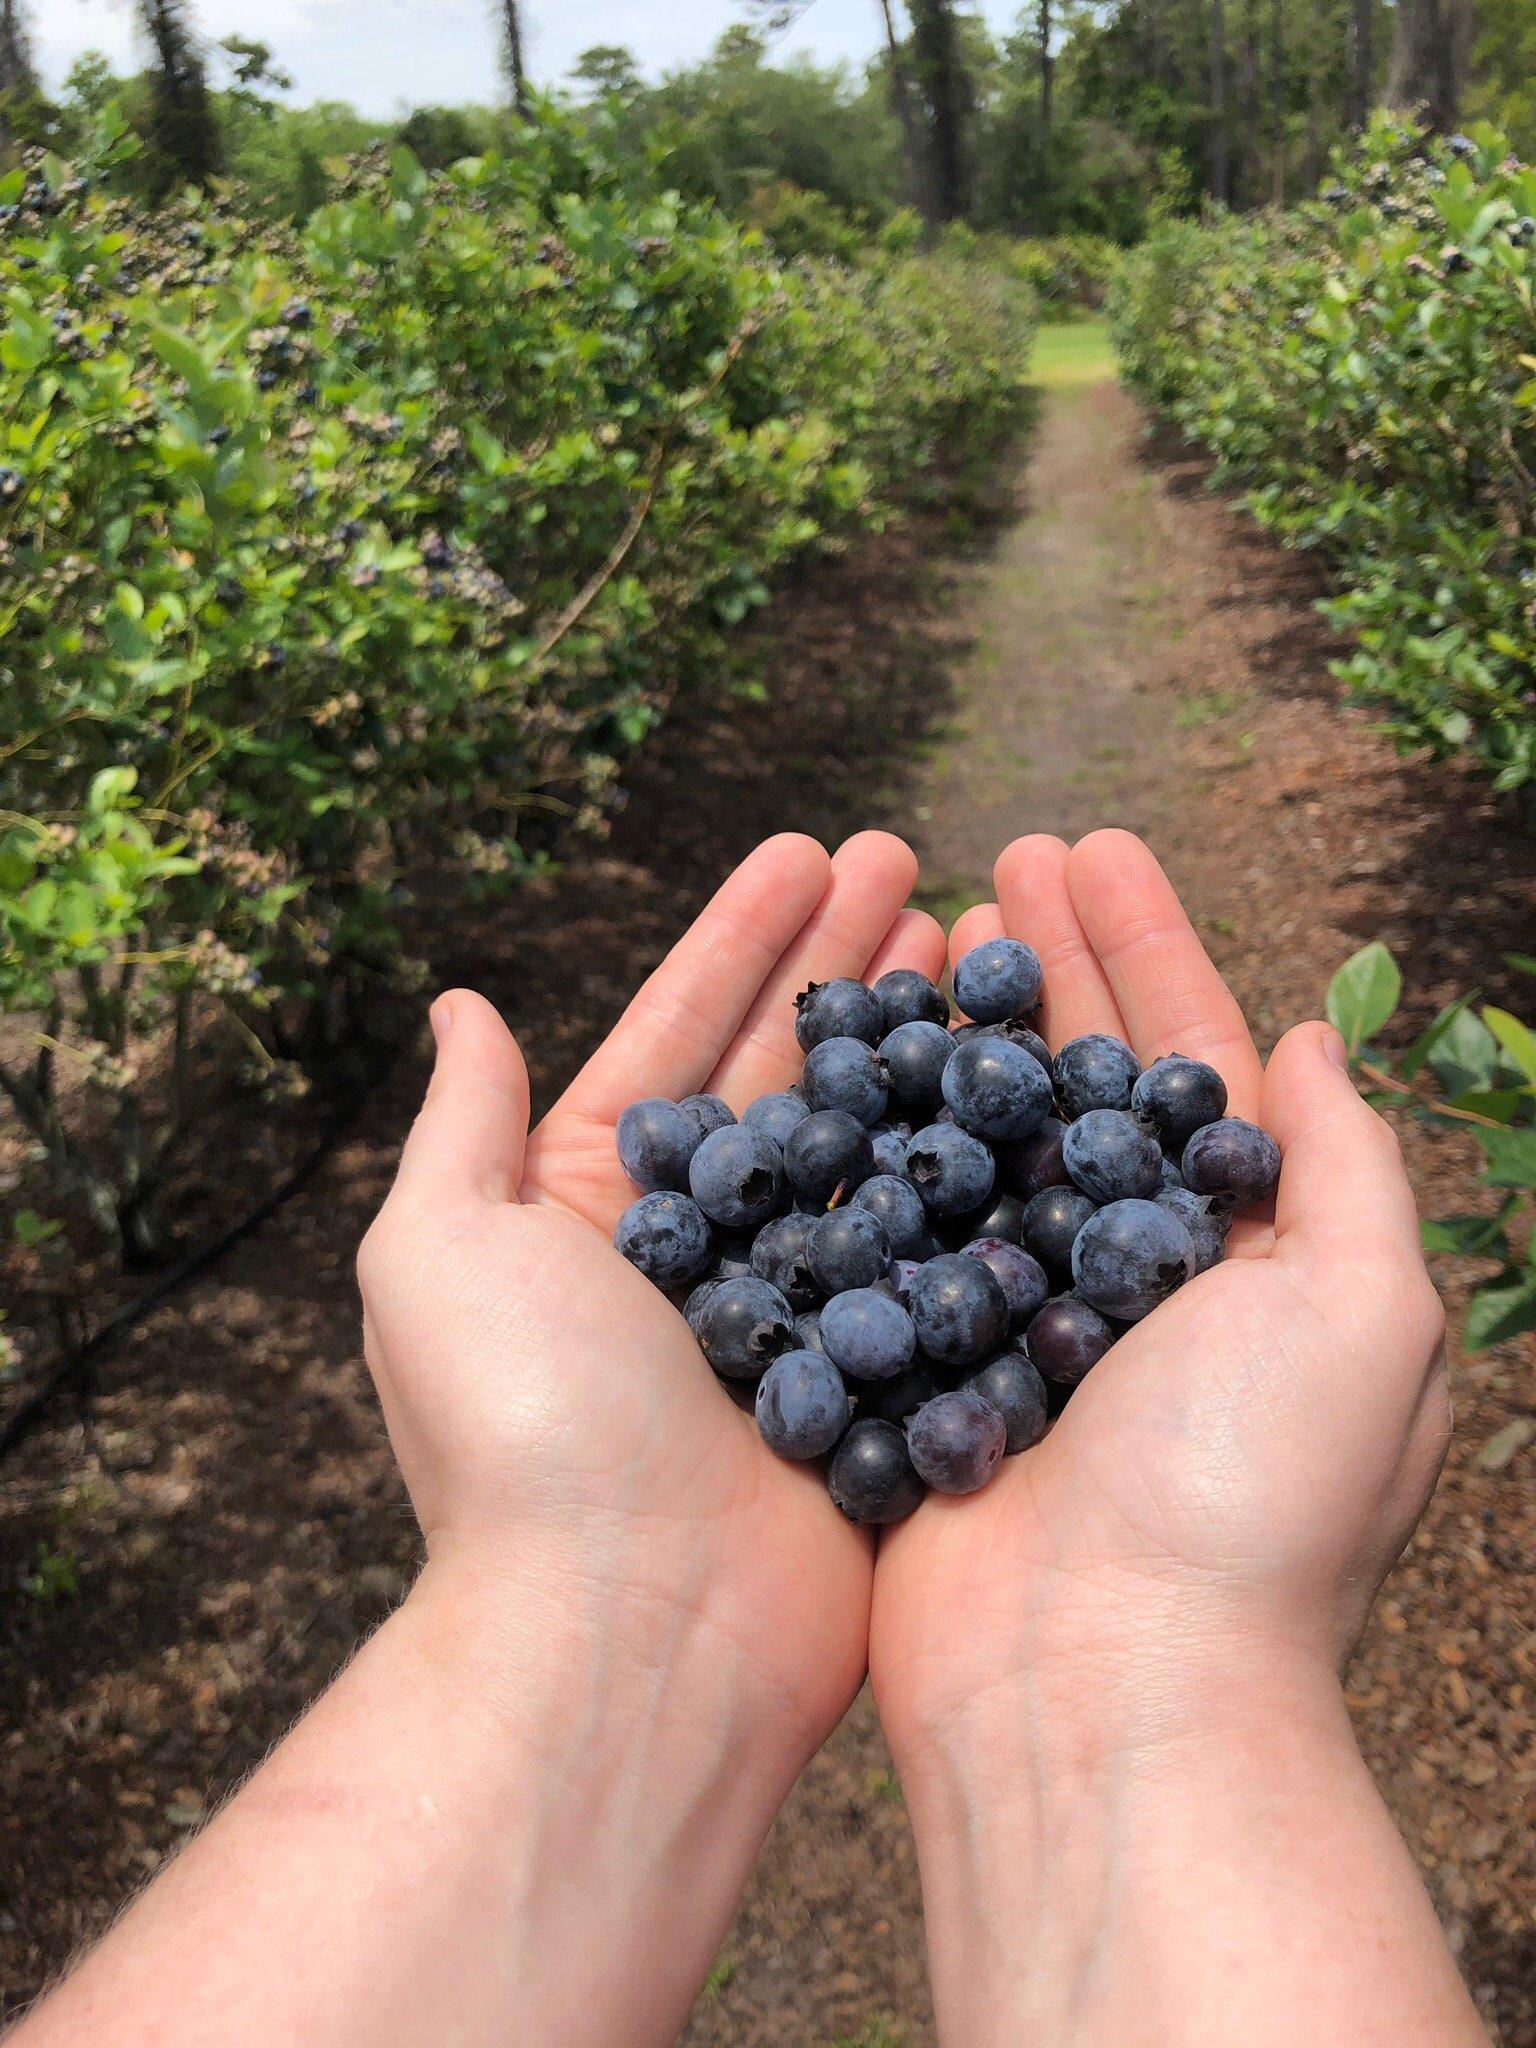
column 328, row 553
column 1367, row 364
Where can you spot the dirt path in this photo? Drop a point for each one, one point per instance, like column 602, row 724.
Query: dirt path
column 1124, row 647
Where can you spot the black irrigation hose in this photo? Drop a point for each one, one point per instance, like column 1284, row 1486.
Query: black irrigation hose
column 75, row 1368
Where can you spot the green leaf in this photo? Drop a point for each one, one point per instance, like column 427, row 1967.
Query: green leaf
column 1523, row 963
column 1470, row 1237
column 1511, row 1157
column 1467, row 1055
column 1409, row 1063
column 1517, row 1039
column 1505, row 1308
column 1363, row 994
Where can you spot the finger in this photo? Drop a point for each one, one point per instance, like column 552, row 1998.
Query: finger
column 1169, row 993
column 872, row 877
column 673, row 1033
column 1036, row 905
column 467, row 1142
column 1342, row 1184
column 974, row 927
column 914, row 940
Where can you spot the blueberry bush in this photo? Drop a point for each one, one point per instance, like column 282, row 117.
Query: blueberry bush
column 1473, row 1070
column 1366, row 364
column 334, row 552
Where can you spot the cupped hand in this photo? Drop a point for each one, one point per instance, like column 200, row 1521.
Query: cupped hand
column 1231, row 1482
column 551, row 1411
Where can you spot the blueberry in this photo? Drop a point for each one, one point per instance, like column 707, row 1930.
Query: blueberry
column 846, row 1074
column 808, row 1331
column 1003, row 1217
column 1233, row 1157
column 695, row 1303
column 848, row 1248
column 900, row 1209
column 1179, row 1096
column 734, row 1256
column 1113, row 1156
column 1034, row 1163
column 1017, row 1392
column 1094, row 1072
column 1015, row 1030
column 737, row 1177
column 802, row 1405
column 779, row 1256
column 894, row 1400
column 667, row 1236
column 889, row 1142
column 1129, row 1257
column 743, row 1326
column 776, row 1114
column 959, row 1309
column 951, row 1170
column 710, row 1113
column 837, row 1009
column 1067, row 1339
column 957, row 1441
column 1020, row 1275
column 1206, row 1218
column 1173, row 1176
column 872, row 1477
column 656, row 1141
column 915, row 1056
column 825, row 1151
column 998, row 979
column 1052, row 1220
column 996, row 1089
column 907, row 997
column 868, row 1333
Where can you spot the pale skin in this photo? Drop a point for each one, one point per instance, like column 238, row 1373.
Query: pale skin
column 1111, row 1684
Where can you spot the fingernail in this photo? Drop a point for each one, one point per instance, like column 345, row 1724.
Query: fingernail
column 1335, row 1051
column 441, row 1018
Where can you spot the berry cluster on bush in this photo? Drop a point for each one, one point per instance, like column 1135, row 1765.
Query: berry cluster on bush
column 1364, row 364
column 937, row 1226
column 327, row 553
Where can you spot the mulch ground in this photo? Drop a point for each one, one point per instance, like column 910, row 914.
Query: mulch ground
column 1125, row 648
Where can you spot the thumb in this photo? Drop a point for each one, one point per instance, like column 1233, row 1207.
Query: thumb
column 1342, row 1182
column 468, row 1141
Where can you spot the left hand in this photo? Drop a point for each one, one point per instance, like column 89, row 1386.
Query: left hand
column 562, row 1438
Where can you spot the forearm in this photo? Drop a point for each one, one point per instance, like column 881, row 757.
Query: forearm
column 485, row 1831
column 1222, row 1869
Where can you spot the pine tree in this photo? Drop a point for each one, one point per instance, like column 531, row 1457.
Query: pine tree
column 940, row 67
column 512, row 52
column 183, row 130
column 1431, row 45
column 21, row 95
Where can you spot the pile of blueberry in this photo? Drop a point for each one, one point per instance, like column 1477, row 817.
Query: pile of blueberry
column 922, row 1247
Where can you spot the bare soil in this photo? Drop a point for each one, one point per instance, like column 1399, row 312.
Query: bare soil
column 1116, row 644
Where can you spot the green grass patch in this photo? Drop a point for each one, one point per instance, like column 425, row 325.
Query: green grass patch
column 1069, row 355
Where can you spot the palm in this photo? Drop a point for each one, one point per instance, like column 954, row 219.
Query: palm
column 1221, row 1450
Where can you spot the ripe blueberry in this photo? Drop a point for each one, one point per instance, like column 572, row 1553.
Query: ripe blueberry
column 1233, row 1157
column 656, row 1141
column 900, row 1210
column 1094, row 1072
column 737, row 1176
column 996, row 1089
column 827, row 1150
column 837, row 1009
column 957, row 1441
column 915, row 1056
column 872, row 1478
column 848, row 1248
column 1113, row 1156
column 950, row 1169
column 1130, row 1256
column 998, row 979
column 1052, row 1220
column 667, row 1236
column 1020, row 1275
column 1179, row 1095
column 779, row 1256
column 959, row 1309
column 907, row 997
column 868, row 1333
column 1067, row 1339
column 1015, row 1389
column 743, row 1326
column 802, row 1405
column 776, row 1114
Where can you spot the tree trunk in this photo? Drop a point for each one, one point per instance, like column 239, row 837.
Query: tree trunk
column 1362, row 61
column 516, row 69
column 1047, row 74
column 17, row 74
column 185, row 130
column 940, row 69
column 1431, row 47
column 1219, row 154
column 914, row 157
column 1277, row 96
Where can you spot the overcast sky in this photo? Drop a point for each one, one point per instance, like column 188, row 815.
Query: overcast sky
column 381, row 54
